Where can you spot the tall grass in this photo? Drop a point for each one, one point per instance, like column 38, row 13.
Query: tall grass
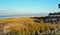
column 25, row 26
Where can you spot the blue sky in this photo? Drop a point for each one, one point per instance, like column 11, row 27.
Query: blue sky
column 8, row 7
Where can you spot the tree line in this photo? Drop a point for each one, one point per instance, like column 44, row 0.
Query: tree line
column 56, row 13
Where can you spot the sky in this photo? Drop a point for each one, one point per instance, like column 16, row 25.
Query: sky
column 14, row 7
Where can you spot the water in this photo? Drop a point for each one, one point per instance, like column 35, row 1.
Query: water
column 30, row 15
column 3, row 16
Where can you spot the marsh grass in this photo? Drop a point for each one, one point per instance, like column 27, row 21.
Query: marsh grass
column 25, row 26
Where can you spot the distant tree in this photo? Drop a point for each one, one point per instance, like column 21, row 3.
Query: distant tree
column 50, row 14
column 58, row 5
column 58, row 13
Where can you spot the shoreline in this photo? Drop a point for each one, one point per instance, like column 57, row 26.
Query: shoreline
column 20, row 16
